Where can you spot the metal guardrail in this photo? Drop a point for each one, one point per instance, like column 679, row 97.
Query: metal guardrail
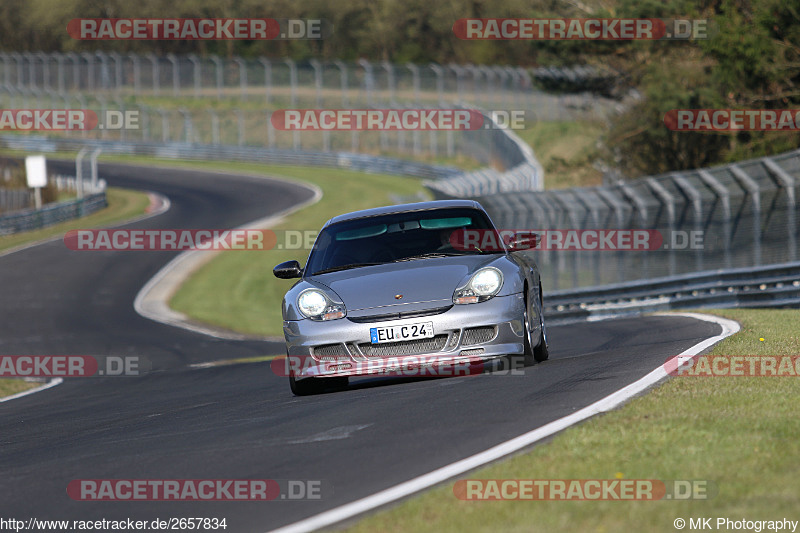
column 51, row 214
column 768, row 286
column 746, row 215
column 353, row 161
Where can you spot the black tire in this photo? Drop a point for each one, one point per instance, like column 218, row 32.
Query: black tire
column 542, row 351
column 311, row 386
column 539, row 352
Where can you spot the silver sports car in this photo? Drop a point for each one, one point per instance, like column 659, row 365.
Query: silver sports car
column 395, row 287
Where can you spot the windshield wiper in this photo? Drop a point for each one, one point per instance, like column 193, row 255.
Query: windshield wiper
column 344, row 267
column 428, row 256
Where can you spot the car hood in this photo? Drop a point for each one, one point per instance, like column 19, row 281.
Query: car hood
column 423, row 284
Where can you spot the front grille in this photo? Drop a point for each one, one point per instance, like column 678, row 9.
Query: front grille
column 415, row 347
column 329, row 352
column 398, row 316
column 478, row 335
column 472, row 351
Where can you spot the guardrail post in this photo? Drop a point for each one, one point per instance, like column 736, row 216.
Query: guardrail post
column 788, row 182
column 725, row 196
column 752, row 188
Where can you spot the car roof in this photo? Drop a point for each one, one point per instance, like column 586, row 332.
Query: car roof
column 406, row 208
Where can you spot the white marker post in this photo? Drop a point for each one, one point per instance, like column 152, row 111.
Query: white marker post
column 36, row 173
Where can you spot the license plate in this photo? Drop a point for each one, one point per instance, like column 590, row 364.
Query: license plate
column 421, row 330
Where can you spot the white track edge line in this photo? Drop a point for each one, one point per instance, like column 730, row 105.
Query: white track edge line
column 349, row 510
column 49, row 384
column 152, row 299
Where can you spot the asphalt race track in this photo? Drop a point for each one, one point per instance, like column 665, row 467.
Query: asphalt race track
column 241, row 421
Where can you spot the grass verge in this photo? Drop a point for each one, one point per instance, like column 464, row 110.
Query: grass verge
column 13, row 386
column 249, row 300
column 740, row 433
column 566, row 151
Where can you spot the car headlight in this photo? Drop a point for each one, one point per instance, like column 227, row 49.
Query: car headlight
column 314, row 304
column 484, row 284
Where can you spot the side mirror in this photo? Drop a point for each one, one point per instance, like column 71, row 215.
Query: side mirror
column 288, row 270
column 523, row 240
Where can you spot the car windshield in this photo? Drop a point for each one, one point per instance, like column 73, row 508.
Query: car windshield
column 395, row 238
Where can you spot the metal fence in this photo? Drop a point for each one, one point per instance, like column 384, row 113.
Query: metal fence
column 739, row 215
column 30, row 219
column 15, row 199
column 215, row 101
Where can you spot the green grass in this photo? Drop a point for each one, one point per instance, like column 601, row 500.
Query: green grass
column 743, row 434
column 249, row 300
column 566, row 151
column 13, row 386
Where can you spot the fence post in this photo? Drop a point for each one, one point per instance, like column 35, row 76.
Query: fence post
column 196, row 74
column 93, row 161
column 242, row 64
column 79, row 171
column 369, row 82
column 343, row 78
column 175, row 75
column 390, row 82
column 218, row 72
column 414, row 81
column 267, row 77
column 317, row 66
column 89, row 70
column 439, row 81
column 156, row 82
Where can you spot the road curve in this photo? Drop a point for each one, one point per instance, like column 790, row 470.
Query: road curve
column 241, row 421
